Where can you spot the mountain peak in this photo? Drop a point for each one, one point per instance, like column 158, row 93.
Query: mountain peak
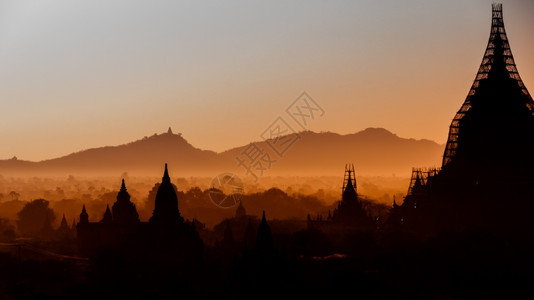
column 377, row 131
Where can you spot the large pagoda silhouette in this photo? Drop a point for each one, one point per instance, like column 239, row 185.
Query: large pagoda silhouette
column 487, row 176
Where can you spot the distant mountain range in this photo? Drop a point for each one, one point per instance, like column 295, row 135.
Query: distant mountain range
column 373, row 151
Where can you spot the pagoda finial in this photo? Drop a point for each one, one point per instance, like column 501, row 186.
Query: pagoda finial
column 264, row 239
column 349, row 183
column 123, row 186
column 84, row 217
column 64, row 223
column 166, row 174
column 169, row 131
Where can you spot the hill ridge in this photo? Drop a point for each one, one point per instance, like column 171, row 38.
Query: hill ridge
column 315, row 152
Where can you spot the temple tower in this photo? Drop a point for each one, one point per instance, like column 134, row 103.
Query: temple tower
column 124, row 211
column 166, row 203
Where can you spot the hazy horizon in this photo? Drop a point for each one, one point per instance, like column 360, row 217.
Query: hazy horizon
column 76, row 76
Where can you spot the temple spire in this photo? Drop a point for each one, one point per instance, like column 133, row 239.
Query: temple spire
column 264, row 239
column 349, row 180
column 64, row 221
column 84, row 217
column 123, row 186
column 349, row 185
column 108, row 217
column 166, row 177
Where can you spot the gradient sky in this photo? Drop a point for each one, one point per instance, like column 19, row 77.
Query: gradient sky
column 76, row 75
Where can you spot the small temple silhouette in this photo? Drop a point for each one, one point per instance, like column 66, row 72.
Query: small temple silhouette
column 349, row 212
column 237, row 233
column 240, row 211
column 487, row 175
column 121, row 230
column 65, row 232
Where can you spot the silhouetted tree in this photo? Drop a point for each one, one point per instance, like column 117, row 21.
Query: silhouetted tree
column 195, row 194
column 14, row 195
column 33, row 216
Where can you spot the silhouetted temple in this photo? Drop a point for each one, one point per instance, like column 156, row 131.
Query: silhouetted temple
column 166, row 234
column 166, row 211
column 240, row 211
column 237, row 233
column 487, row 176
column 264, row 238
column 124, row 210
column 65, row 232
column 349, row 211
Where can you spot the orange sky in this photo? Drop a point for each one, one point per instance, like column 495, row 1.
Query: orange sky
column 75, row 76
